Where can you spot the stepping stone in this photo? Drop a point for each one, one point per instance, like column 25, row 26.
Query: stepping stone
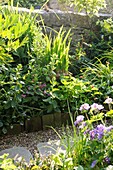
column 48, row 148
column 17, row 152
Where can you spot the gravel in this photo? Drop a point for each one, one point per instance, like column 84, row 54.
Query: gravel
column 29, row 140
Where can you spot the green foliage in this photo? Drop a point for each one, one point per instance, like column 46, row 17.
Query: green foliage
column 25, row 4
column 99, row 69
column 91, row 7
column 6, row 163
column 99, row 41
column 56, row 53
column 30, row 3
column 16, row 36
column 17, row 32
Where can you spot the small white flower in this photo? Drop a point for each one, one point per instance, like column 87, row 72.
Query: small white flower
column 108, row 100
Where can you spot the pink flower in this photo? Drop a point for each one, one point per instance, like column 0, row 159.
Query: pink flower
column 23, row 95
column 42, row 86
column 108, row 100
column 96, row 106
column 84, row 106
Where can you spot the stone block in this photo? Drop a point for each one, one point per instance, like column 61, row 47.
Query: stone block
column 17, row 152
column 34, row 124
column 48, row 148
column 65, row 117
column 17, row 129
column 57, row 119
column 48, row 120
column 52, row 147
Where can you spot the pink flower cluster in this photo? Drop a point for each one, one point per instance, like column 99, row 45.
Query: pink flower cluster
column 94, row 106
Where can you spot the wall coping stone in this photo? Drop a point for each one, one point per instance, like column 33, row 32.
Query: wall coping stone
column 55, row 11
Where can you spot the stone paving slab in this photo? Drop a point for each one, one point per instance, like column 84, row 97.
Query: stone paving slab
column 48, row 148
column 17, row 152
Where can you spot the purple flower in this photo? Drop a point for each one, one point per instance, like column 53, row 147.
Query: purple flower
column 108, row 129
column 45, row 92
column 100, row 131
column 82, row 125
column 107, row 160
column 79, row 119
column 84, row 106
column 100, row 127
column 93, row 164
column 86, row 132
column 100, row 107
column 97, row 132
column 38, row 7
column 108, row 100
column 93, row 134
column 96, row 106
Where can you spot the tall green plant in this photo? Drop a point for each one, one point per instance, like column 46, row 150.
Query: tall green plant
column 57, row 50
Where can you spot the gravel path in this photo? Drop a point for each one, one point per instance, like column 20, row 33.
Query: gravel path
column 29, row 140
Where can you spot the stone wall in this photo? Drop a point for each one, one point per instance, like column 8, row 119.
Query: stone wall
column 78, row 22
column 55, row 4
column 54, row 19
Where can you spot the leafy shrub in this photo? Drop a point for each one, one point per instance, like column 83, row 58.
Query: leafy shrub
column 69, row 89
column 17, row 32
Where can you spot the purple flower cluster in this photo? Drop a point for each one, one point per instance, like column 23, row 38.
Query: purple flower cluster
column 79, row 119
column 99, row 131
column 23, row 95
